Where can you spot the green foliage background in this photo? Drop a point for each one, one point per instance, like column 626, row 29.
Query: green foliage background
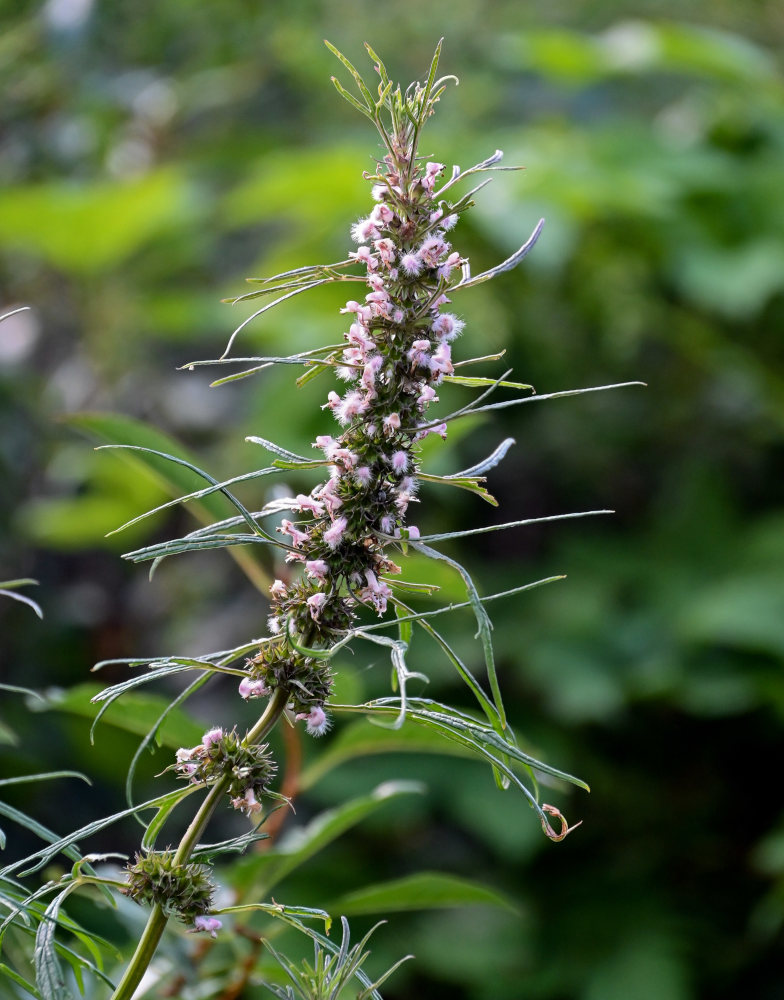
column 153, row 154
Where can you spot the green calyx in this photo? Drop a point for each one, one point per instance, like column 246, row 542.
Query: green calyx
column 184, row 890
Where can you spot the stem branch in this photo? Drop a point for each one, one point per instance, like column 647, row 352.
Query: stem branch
column 156, row 923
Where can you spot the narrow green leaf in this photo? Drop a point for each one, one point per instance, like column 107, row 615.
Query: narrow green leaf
column 312, row 463
column 173, row 479
column 23, row 599
column 15, row 977
column 151, row 736
column 164, row 811
column 63, row 844
column 494, row 458
column 351, row 99
column 478, row 382
column 276, row 449
column 199, row 543
column 482, row 619
column 49, row 976
column 259, row 874
column 411, row 586
column 215, row 485
column 355, row 74
column 472, row 485
column 544, row 396
column 443, row 536
column 405, row 628
column 422, row 891
column 363, row 740
column 473, row 684
column 22, row 690
column 51, row 775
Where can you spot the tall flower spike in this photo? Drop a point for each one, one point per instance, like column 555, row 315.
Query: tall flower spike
column 397, row 349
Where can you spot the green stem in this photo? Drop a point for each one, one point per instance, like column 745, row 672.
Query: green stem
column 158, row 919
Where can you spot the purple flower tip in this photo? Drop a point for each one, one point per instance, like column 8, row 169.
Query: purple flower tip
column 211, row 925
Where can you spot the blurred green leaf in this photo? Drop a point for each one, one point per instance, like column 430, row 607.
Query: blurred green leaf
column 422, row 891
column 134, row 713
column 85, row 229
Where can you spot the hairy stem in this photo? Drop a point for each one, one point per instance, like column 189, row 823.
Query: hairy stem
column 156, row 923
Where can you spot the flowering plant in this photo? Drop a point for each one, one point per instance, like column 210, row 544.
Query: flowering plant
column 340, row 580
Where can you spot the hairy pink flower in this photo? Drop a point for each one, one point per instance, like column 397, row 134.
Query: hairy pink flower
column 303, row 503
column 317, row 722
column 209, row 925
column 316, row 604
column 411, row 264
column 317, row 569
column 333, row 535
column 247, row 802
column 400, row 461
column 250, row 688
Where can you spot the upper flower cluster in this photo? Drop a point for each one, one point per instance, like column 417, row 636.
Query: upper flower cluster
column 398, row 350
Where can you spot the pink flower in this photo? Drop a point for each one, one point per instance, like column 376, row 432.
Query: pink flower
column 327, row 494
column 382, row 214
column 364, row 230
column 432, row 249
column 304, row 503
column 362, row 475
column 317, row 722
column 418, row 355
column 452, row 261
column 333, row 400
column 326, row 443
column 411, row 532
column 333, row 535
column 387, row 523
column 248, row 802
column 212, row 736
column 317, row 569
column 315, row 604
column 386, row 250
column 427, row 395
column 400, row 461
column 378, row 191
column 345, row 457
column 370, row 370
column 431, row 173
column 411, row 264
column 441, row 362
column 358, row 336
column 447, row 327
column 211, row 925
column 376, row 592
column 250, row 688
column 298, row 537
column 364, row 255
column 352, row 406
column 391, row 423
column 278, row 589
column 351, row 307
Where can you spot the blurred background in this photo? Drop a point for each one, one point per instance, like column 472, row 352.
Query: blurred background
column 152, row 155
